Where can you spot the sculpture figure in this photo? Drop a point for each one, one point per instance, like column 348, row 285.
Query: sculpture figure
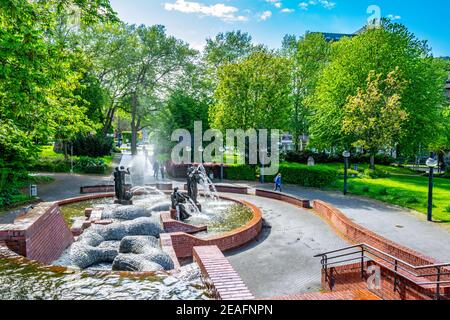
column 179, row 203
column 123, row 196
column 193, row 179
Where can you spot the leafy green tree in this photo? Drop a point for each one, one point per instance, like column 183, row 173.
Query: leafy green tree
column 111, row 50
column 382, row 50
column 37, row 78
column 253, row 94
column 308, row 56
column 227, row 48
column 158, row 58
column 374, row 117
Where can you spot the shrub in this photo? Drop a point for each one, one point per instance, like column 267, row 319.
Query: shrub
column 240, row 172
column 51, row 165
column 90, row 165
column 307, row 176
column 447, row 208
column 10, row 184
column 383, row 192
column 375, row 174
column 92, row 146
column 302, row 157
column 366, row 189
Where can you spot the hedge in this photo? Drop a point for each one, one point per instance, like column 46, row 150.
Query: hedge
column 240, row 172
column 307, row 176
column 302, row 157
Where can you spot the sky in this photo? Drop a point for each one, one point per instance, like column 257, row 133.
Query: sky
column 267, row 21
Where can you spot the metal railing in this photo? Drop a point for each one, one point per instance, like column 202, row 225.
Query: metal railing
column 401, row 269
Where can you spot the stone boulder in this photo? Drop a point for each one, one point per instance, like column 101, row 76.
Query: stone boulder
column 135, row 263
column 138, row 244
column 84, row 256
column 126, row 213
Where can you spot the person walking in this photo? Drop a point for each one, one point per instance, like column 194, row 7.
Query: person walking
column 162, row 169
column 278, row 182
column 155, row 169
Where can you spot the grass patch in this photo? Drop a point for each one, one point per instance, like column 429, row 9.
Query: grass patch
column 50, row 161
column 406, row 191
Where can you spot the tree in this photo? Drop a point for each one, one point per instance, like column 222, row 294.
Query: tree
column 308, row 56
column 111, row 50
column 227, row 48
column 374, row 116
column 382, row 50
column 37, row 75
column 253, row 94
column 157, row 61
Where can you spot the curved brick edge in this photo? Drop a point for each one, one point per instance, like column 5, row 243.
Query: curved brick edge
column 171, row 225
column 184, row 243
column 219, row 276
column 40, row 235
column 283, row 197
column 358, row 234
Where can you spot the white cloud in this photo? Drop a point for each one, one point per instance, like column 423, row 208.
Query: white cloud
column 327, row 4
column 220, row 10
column 324, row 3
column 276, row 3
column 287, row 10
column 265, row 15
column 304, row 5
column 394, row 17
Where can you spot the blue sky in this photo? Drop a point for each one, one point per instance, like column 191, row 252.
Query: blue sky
column 269, row 20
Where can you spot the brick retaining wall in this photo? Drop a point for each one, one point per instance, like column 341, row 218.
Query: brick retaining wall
column 220, row 277
column 41, row 235
column 348, row 278
column 358, row 234
column 171, row 225
column 283, row 197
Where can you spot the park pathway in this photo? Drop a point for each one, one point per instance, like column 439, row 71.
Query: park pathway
column 400, row 225
column 281, row 260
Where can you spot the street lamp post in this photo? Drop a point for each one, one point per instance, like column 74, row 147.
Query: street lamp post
column 431, row 163
column 346, row 156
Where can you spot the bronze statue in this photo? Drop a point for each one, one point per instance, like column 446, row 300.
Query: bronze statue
column 123, row 196
column 193, row 179
column 179, row 202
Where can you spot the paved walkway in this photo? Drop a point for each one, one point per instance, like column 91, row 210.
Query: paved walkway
column 281, row 260
column 400, row 225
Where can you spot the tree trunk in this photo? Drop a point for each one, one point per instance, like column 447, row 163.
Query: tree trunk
column 134, row 125
column 108, row 121
column 372, row 161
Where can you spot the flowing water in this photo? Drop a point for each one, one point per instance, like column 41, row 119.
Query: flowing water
column 31, row 281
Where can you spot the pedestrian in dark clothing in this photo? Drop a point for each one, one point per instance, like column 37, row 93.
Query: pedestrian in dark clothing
column 163, row 169
column 278, row 182
column 155, row 170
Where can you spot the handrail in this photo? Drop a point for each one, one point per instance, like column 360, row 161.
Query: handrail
column 371, row 251
column 364, row 245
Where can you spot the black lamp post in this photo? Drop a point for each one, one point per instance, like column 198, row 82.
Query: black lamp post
column 431, row 163
column 346, row 156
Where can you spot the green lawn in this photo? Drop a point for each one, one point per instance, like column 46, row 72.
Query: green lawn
column 406, row 191
column 365, row 166
column 55, row 162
